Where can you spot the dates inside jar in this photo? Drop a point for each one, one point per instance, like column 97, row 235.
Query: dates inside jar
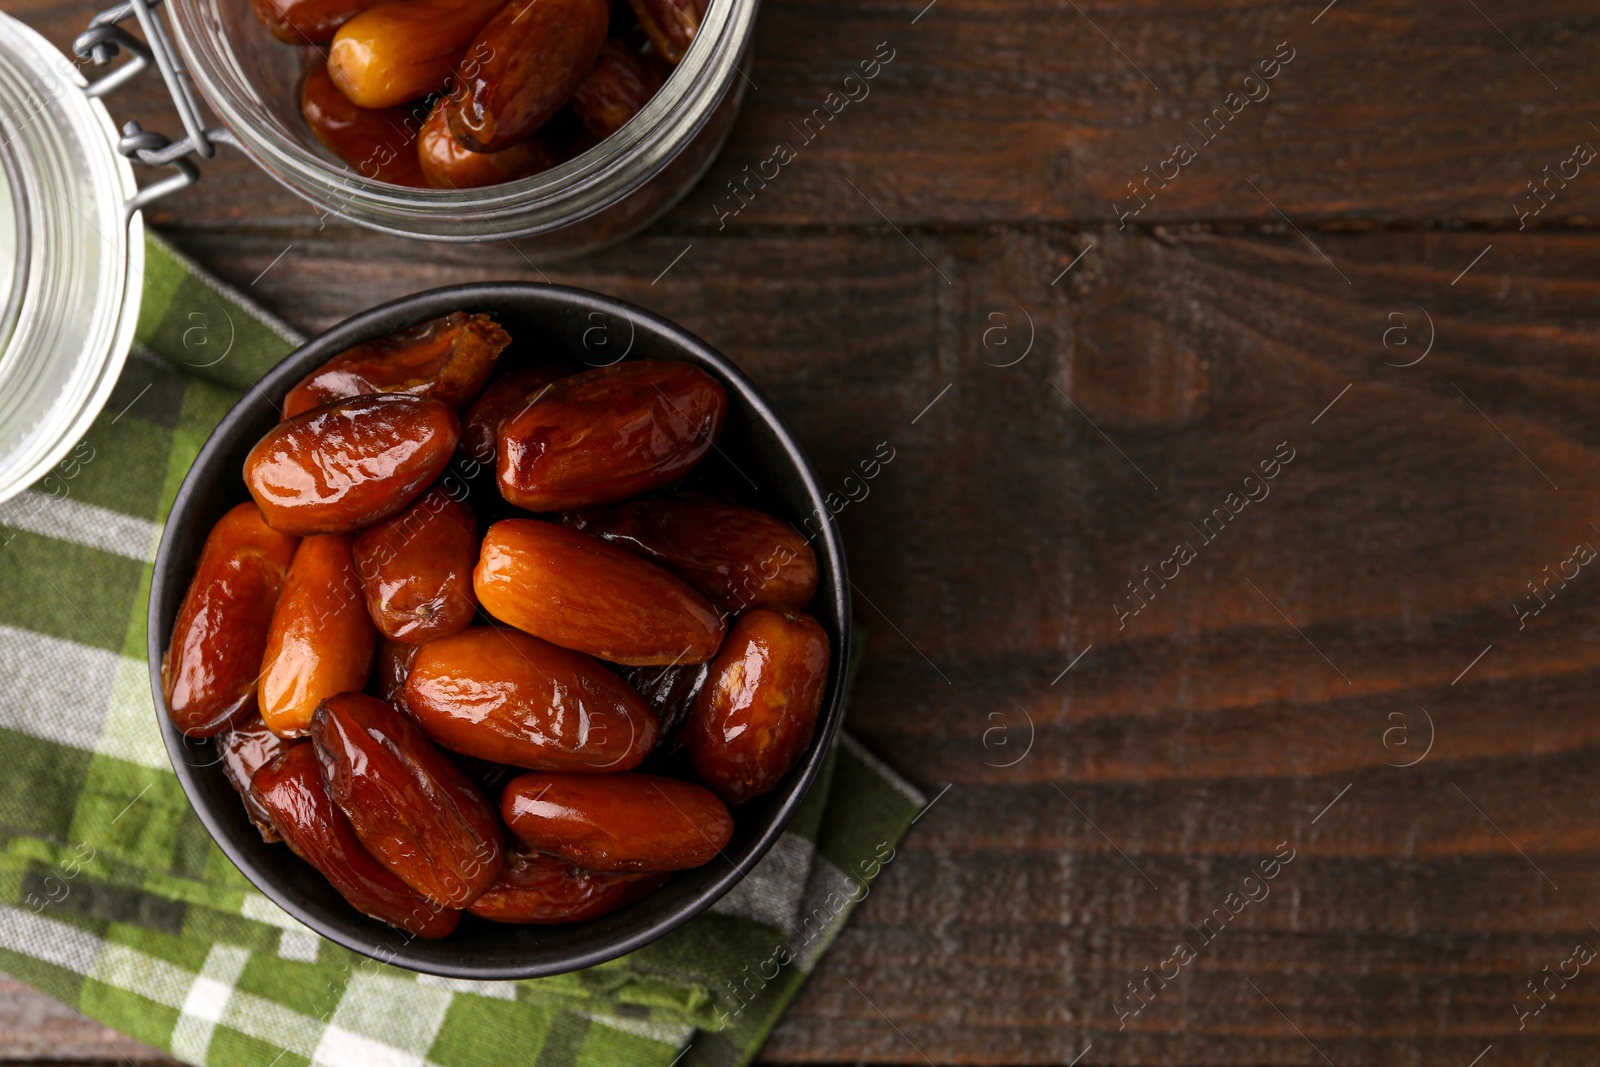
column 460, row 94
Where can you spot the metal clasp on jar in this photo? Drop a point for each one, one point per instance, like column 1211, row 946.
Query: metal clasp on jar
column 101, row 43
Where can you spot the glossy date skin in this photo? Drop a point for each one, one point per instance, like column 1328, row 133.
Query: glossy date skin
column 738, row 557
column 615, row 89
column 246, row 749
column 209, row 671
column 377, row 143
column 757, row 711
column 307, row 21
column 609, row 434
column 291, row 790
column 403, row 49
column 507, row 395
column 536, row 53
column 447, row 164
column 535, row 888
column 620, row 822
column 415, row 811
column 416, row 569
column 503, row 696
column 447, row 359
column 578, row 592
column 670, row 24
column 321, row 641
column 350, row 464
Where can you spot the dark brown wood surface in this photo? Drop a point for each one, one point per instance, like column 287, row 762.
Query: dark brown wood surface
column 1358, row 617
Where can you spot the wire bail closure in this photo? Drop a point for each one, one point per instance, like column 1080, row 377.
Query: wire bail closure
column 101, row 43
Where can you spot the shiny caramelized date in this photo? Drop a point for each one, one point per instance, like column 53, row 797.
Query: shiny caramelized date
column 670, row 24
column 307, row 21
column 448, row 359
column 506, row 396
column 209, row 671
column 738, row 557
column 608, row 434
column 392, row 666
column 535, row 888
column 614, row 90
column 578, row 592
column 350, row 464
column 757, row 711
column 670, row 692
column 402, row 49
column 376, row 142
column 503, row 696
column 416, row 569
column 321, row 641
column 246, row 749
column 447, row 164
column 291, row 790
column 618, row 822
column 413, row 809
column 535, row 52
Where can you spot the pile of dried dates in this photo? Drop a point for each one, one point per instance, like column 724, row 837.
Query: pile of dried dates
column 456, row 94
column 381, row 662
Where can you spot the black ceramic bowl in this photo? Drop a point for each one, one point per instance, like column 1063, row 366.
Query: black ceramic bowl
column 759, row 454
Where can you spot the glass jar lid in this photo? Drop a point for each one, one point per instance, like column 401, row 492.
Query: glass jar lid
column 71, row 260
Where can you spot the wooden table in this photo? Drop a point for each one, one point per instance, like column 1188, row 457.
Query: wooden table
column 1349, row 272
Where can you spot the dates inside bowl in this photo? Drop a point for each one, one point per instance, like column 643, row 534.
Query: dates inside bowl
column 756, row 464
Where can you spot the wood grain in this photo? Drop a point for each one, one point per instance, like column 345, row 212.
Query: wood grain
column 1270, row 691
column 37, row 1029
column 1009, row 110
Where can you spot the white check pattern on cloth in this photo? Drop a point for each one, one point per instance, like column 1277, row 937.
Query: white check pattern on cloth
column 360, row 1032
column 770, row 893
column 364, row 1028
column 66, row 519
column 299, row 945
column 82, row 697
column 207, row 1001
column 154, row 979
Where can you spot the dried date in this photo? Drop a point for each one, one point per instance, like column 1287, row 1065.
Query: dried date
column 351, row 463
column 538, row 51
column 536, row 888
column 447, row 359
column 506, row 396
column 615, row 89
column 213, row 660
column 448, row 164
column 416, row 569
column 291, row 790
column 609, row 434
column 246, row 749
column 619, row 822
column 416, row 812
column 504, row 696
column 738, row 557
column 578, row 592
column 403, row 49
column 321, row 641
column 377, row 142
column 757, row 711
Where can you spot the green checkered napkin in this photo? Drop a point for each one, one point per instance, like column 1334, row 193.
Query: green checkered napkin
column 113, row 898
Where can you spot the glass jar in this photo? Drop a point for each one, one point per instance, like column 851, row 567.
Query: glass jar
column 71, row 257
column 616, row 188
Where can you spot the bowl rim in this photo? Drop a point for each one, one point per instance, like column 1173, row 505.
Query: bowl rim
column 395, row 314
